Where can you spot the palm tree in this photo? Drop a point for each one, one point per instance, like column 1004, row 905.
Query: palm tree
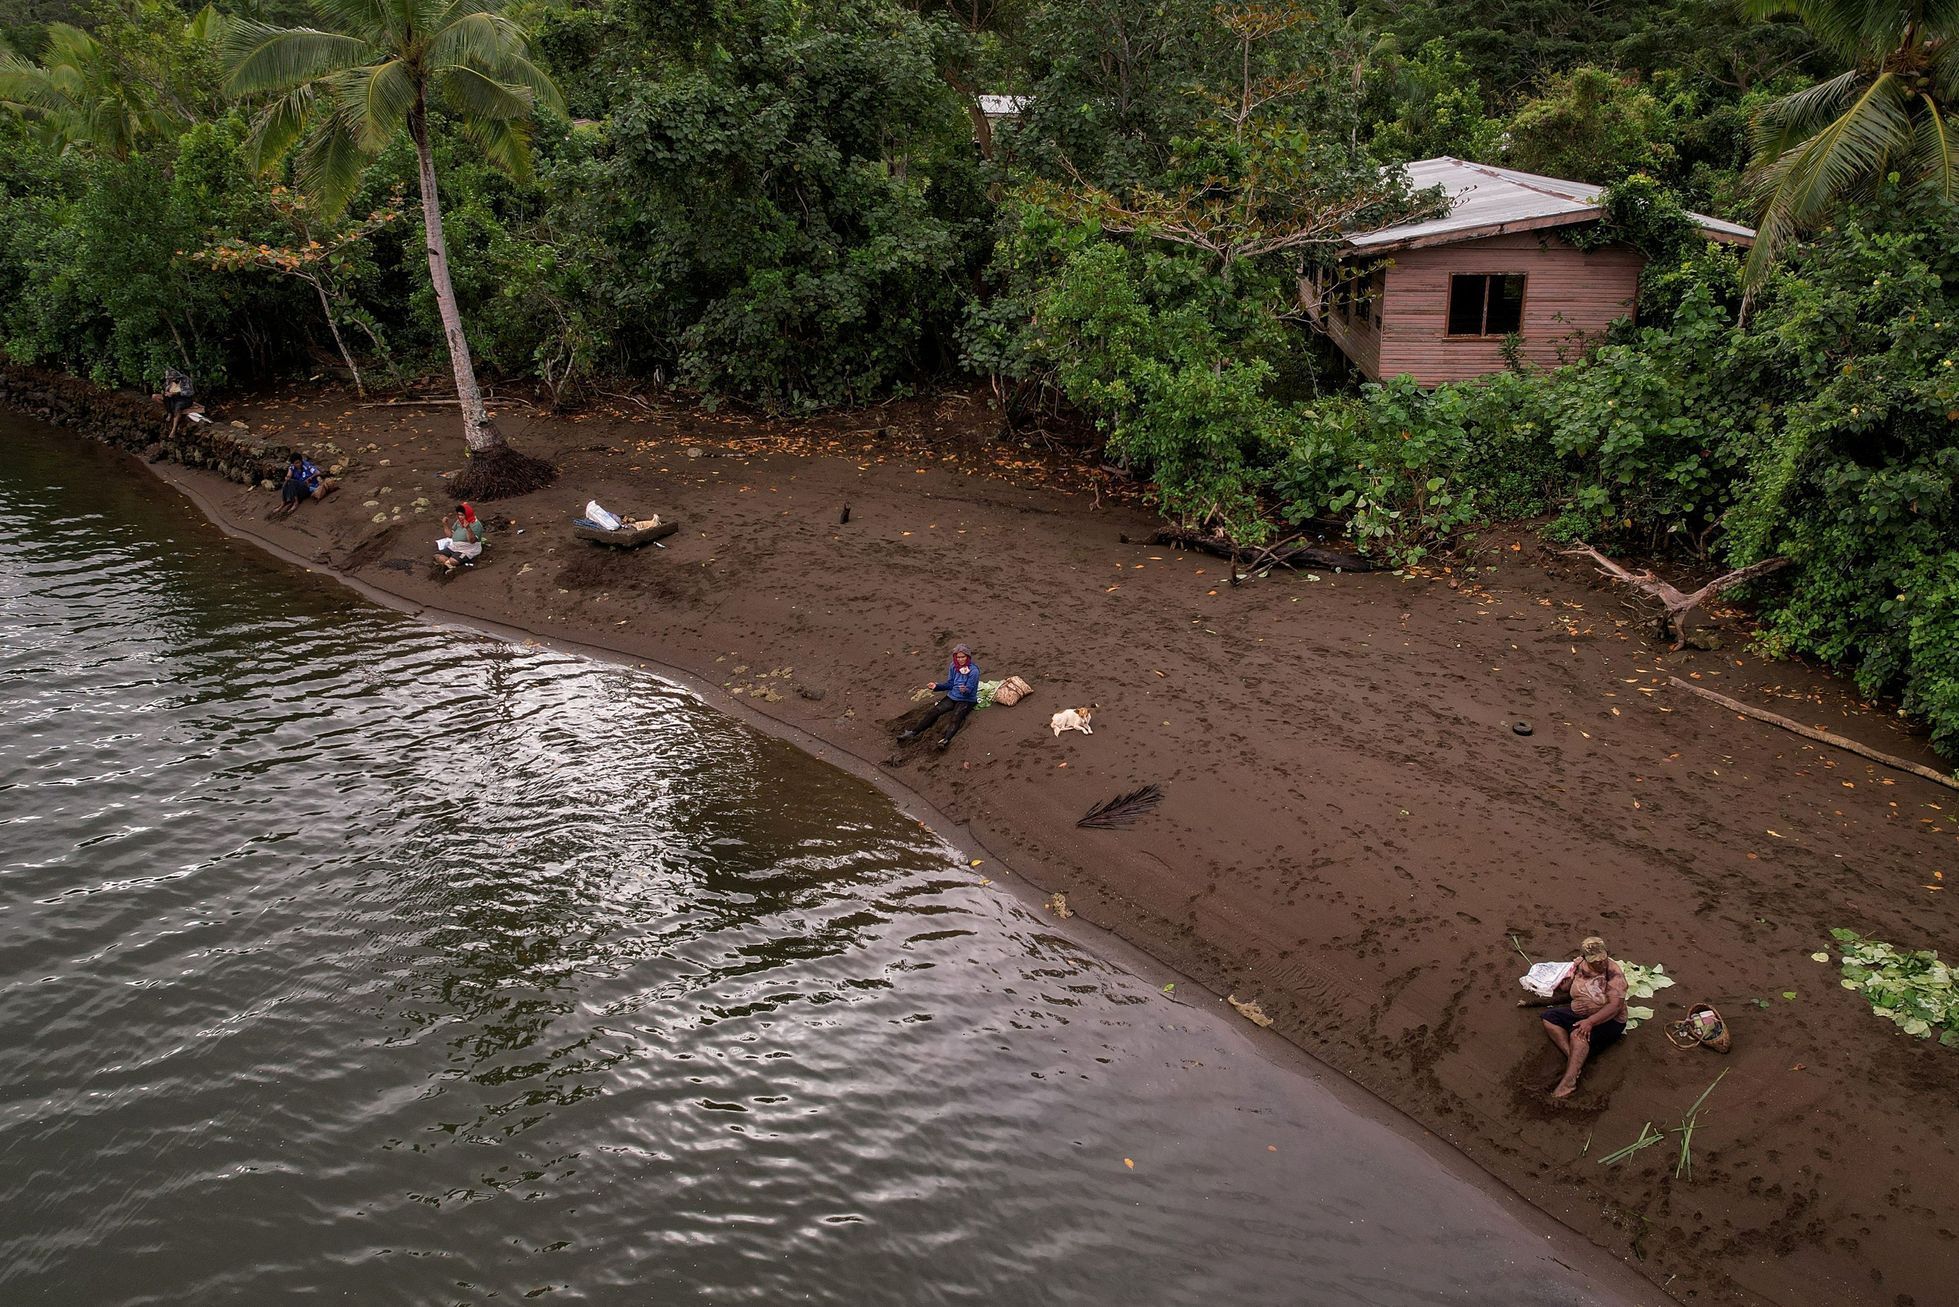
column 342, row 95
column 1888, row 113
column 77, row 96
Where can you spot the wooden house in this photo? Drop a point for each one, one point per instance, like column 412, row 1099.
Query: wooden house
column 1438, row 299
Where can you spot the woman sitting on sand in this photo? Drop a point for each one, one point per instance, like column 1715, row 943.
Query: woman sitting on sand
column 1593, row 1018
column 464, row 543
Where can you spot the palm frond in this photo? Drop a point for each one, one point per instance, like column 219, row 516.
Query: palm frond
column 1935, row 156
column 383, row 94
column 1118, row 812
column 1840, row 25
column 482, row 40
column 520, row 71
column 265, row 58
column 1849, row 153
column 1794, row 188
column 1784, row 123
column 277, row 126
column 478, row 96
column 375, row 21
column 506, row 143
column 330, row 162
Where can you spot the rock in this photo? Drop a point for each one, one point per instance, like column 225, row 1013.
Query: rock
column 268, row 484
column 379, row 517
column 422, row 502
column 814, row 693
column 695, row 451
column 387, row 462
column 336, row 469
column 236, row 425
column 371, row 503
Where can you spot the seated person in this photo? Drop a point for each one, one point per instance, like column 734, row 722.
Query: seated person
column 961, row 690
column 303, row 481
column 464, row 543
column 1593, row 1015
column 179, row 394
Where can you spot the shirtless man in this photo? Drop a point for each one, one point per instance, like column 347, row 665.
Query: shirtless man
column 1594, row 1015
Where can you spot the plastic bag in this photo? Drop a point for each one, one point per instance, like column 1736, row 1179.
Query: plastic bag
column 1543, row 977
column 608, row 521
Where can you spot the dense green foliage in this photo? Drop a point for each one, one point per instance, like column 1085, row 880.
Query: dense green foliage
column 800, row 205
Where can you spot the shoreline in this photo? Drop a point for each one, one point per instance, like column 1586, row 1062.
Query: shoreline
column 1391, row 978
column 1270, row 1047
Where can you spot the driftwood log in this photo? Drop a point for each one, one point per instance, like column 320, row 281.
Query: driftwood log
column 1676, row 604
column 1281, row 555
column 1818, row 734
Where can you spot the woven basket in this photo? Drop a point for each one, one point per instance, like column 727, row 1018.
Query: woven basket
column 1011, row 691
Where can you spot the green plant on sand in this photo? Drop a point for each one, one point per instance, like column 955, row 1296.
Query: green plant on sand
column 1913, row 989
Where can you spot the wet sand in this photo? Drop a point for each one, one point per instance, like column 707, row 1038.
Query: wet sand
column 1352, row 832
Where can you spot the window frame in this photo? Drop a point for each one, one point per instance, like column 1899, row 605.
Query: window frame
column 1483, row 317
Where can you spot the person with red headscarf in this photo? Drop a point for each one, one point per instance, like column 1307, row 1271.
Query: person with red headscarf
column 961, row 689
column 464, row 543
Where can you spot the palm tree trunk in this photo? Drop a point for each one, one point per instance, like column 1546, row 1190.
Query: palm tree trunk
column 480, row 433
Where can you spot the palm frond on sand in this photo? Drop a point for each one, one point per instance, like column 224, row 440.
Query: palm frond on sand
column 1118, row 812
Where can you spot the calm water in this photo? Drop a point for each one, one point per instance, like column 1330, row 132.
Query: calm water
column 349, row 956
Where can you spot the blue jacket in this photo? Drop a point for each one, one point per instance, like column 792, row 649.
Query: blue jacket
column 961, row 687
column 304, row 473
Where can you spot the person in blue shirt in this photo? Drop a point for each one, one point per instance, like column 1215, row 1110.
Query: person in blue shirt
column 961, row 690
column 303, row 481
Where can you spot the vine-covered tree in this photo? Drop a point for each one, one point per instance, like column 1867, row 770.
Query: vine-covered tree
column 340, row 96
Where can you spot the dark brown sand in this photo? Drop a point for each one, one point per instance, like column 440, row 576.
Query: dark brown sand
column 1352, row 833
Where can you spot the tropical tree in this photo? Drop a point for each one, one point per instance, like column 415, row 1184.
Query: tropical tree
column 340, row 96
column 78, row 96
column 1889, row 112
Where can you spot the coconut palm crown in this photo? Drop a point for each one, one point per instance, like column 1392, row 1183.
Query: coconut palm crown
column 1888, row 113
column 340, row 94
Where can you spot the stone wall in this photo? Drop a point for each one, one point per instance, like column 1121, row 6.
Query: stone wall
column 139, row 424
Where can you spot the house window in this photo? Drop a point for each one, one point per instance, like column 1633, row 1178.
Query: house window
column 1486, row 304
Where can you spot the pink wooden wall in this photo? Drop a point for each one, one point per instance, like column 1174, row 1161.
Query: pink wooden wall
column 1570, row 296
column 1355, row 333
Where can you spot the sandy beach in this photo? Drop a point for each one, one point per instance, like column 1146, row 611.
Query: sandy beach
column 1353, row 835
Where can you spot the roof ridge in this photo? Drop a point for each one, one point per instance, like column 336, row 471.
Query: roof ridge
column 1516, row 178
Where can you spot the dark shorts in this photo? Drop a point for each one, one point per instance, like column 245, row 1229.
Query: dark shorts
column 1604, row 1035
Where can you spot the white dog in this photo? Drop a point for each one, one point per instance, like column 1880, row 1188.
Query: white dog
column 1071, row 719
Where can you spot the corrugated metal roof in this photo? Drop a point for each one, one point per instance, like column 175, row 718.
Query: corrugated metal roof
column 1003, row 106
column 1486, row 200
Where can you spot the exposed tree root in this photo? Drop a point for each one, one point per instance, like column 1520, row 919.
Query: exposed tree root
column 501, row 472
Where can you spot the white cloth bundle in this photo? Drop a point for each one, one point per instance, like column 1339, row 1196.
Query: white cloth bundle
column 1543, row 977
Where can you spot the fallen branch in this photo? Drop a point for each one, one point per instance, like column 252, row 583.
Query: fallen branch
column 1678, row 605
column 1819, row 735
column 1302, row 556
column 491, row 400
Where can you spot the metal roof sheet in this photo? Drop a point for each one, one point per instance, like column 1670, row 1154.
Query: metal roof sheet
column 1486, row 200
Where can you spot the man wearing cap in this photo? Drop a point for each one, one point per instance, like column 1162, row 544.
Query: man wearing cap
column 1593, row 1017
column 961, row 690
